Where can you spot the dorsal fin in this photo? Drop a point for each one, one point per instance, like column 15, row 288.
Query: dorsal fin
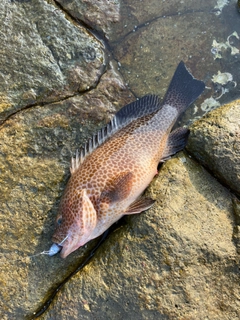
column 132, row 111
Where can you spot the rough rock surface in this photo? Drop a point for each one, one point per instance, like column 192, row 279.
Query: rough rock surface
column 35, row 151
column 179, row 259
column 176, row 261
column 44, row 56
column 215, row 142
column 96, row 14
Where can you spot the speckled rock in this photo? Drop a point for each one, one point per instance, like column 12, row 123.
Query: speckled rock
column 176, row 261
column 215, row 142
column 96, row 14
column 35, row 150
column 44, row 56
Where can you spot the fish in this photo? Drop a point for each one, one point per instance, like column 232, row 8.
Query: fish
column 111, row 171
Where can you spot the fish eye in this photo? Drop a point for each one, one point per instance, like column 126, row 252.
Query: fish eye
column 59, row 220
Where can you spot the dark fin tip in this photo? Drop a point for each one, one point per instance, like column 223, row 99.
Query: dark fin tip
column 184, row 89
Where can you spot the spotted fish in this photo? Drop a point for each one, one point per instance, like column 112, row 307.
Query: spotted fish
column 116, row 165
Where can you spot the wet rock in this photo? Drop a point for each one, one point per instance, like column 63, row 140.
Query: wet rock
column 36, row 145
column 155, row 35
column 215, row 142
column 175, row 261
column 135, row 13
column 96, row 14
column 155, row 43
column 44, row 56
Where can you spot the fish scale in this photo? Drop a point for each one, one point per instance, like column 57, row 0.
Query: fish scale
column 117, row 164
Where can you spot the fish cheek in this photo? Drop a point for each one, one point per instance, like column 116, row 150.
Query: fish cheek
column 88, row 220
column 81, row 219
column 59, row 234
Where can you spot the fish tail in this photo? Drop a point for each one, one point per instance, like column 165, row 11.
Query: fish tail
column 183, row 90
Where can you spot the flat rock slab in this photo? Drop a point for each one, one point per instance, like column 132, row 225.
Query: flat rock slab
column 44, row 56
column 215, row 142
column 35, row 150
column 153, row 36
column 176, row 261
column 100, row 15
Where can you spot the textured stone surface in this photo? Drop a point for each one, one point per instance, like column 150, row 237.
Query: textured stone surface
column 35, row 150
column 153, row 36
column 44, row 57
column 179, row 259
column 176, row 261
column 96, row 14
column 215, row 142
column 141, row 13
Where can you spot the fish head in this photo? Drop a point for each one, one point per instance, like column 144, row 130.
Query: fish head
column 75, row 222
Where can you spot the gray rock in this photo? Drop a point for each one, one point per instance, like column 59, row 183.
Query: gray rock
column 100, row 15
column 153, row 36
column 44, row 56
column 215, row 142
column 35, row 150
column 176, row 261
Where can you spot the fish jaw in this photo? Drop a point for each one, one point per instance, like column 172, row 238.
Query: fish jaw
column 75, row 238
column 70, row 246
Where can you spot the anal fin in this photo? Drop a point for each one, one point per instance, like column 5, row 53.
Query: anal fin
column 177, row 140
column 140, row 205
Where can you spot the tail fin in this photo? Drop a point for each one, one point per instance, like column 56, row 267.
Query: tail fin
column 183, row 89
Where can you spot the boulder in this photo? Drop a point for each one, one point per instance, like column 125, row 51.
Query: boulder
column 44, row 56
column 175, row 261
column 215, row 142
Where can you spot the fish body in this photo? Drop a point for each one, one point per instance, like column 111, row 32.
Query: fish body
column 116, row 165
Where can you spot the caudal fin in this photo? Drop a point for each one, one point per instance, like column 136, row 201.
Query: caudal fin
column 183, row 90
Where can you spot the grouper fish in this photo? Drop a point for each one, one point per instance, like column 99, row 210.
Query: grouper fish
column 110, row 173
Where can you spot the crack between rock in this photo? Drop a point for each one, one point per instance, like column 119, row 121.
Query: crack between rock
column 49, row 300
column 222, row 183
column 148, row 22
column 99, row 36
column 43, row 104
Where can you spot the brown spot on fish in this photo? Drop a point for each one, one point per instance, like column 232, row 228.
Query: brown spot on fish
column 112, row 170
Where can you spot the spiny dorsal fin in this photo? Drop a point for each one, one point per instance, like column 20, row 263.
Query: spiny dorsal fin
column 132, row 111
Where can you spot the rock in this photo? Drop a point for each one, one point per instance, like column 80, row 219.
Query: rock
column 215, row 142
column 175, row 261
column 178, row 260
column 139, row 14
column 44, row 56
column 96, row 14
column 35, row 150
column 153, row 36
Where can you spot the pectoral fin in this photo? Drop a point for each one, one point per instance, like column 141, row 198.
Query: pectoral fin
column 117, row 189
column 89, row 216
column 177, row 140
column 140, row 205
